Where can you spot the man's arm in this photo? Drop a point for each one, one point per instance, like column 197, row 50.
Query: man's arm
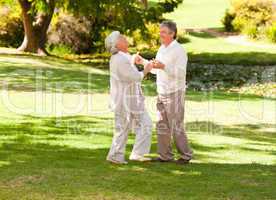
column 176, row 69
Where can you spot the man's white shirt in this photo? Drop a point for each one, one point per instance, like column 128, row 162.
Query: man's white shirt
column 173, row 77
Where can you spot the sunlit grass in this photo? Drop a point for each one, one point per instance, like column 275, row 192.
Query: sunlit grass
column 204, row 42
column 200, row 13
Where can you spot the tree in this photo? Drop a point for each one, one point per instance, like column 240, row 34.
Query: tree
column 36, row 23
column 36, row 17
column 145, row 3
column 107, row 14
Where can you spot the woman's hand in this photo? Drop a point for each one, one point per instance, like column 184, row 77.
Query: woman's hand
column 139, row 60
column 148, row 68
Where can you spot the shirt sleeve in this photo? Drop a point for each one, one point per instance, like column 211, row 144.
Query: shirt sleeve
column 153, row 71
column 133, row 59
column 177, row 69
column 126, row 72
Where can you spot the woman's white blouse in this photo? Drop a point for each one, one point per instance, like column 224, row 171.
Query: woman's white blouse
column 125, row 84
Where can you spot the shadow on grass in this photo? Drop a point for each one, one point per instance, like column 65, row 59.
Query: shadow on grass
column 36, row 160
column 202, row 96
column 230, row 139
column 96, row 59
column 52, row 74
column 60, row 172
column 55, row 126
column 263, row 134
column 29, row 126
column 33, row 129
column 59, row 75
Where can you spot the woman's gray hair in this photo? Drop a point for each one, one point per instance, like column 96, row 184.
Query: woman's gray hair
column 111, row 41
column 171, row 26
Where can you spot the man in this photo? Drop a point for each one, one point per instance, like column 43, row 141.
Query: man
column 127, row 101
column 170, row 68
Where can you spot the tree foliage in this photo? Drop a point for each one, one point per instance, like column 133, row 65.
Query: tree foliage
column 104, row 15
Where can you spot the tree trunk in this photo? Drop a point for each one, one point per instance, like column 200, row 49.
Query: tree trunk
column 35, row 27
column 145, row 3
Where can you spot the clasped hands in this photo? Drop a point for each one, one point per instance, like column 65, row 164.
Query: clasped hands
column 156, row 64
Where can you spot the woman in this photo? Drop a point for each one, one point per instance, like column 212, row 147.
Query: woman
column 127, row 101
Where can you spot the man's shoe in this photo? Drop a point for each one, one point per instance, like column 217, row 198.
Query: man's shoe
column 158, row 159
column 182, row 161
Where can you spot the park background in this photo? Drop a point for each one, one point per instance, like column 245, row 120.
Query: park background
column 56, row 129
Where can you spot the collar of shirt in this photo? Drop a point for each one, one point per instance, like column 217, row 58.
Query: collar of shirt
column 127, row 55
column 163, row 47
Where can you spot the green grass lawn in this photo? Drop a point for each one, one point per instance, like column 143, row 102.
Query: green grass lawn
column 205, row 48
column 199, row 13
column 56, row 129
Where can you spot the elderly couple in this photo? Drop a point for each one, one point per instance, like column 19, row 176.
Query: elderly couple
column 127, row 100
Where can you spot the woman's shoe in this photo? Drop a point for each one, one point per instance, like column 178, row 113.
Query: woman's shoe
column 140, row 158
column 117, row 162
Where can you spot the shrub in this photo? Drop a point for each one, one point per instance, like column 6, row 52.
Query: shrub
column 250, row 17
column 148, row 39
column 60, row 50
column 271, row 33
column 227, row 20
column 11, row 27
column 182, row 37
column 219, row 76
column 251, row 30
column 71, row 32
column 257, row 12
column 260, row 89
column 222, row 76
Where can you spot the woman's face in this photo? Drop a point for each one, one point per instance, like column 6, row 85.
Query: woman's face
column 122, row 44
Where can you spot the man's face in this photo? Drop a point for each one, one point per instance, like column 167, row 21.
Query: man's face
column 122, row 44
column 166, row 36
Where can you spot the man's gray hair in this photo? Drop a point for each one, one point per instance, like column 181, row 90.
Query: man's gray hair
column 171, row 26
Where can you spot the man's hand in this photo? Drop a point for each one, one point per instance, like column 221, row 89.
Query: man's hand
column 157, row 64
